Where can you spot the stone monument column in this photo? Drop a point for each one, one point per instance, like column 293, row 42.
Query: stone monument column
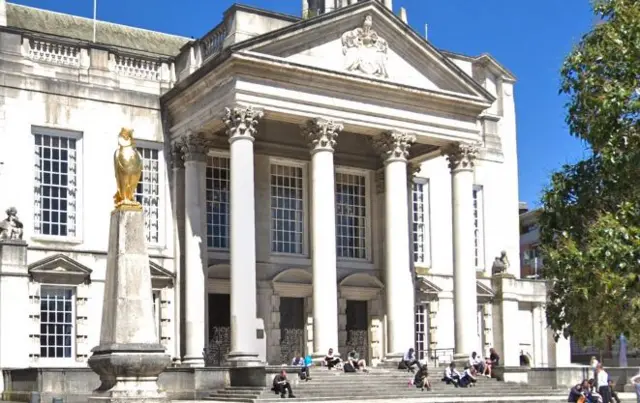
column 461, row 162
column 241, row 125
column 321, row 135
column 195, row 245
column 394, row 150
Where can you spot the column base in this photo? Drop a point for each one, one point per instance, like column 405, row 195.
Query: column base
column 461, row 360
column 242, row 359
column 194, row 362
column 246, row 370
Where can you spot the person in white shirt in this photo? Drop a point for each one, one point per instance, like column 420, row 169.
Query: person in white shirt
column 468, row 377
column 602, row 384
column 476, row 362
column 451, row 376
column 409, row 360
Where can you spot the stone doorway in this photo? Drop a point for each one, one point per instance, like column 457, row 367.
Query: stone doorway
column 292, row 321
column 219, row 343
column 358, row 328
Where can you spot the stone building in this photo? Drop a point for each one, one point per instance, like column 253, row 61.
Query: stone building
column 330, row 181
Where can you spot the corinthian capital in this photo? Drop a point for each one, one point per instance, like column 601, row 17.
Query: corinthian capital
column 322, row 134
column 461, row 156
column 194, row 147
column 393, row 146
column 241, row 122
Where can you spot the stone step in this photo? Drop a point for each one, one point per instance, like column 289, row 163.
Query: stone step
column 416, row 397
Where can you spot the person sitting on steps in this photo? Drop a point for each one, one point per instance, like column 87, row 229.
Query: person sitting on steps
column 281, row 385
column 468, row 377
column 409, row 360
column 331, row 360
column 357, row 363
column 421, row 379
column 451, row 376
column 298, row 361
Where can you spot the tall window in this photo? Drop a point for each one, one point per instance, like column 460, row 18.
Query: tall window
column 287, row 212
column 56, row 322
column 420, row 228
column 422, row 331
column 218, row 193
column 56, row 185
column 351, row 216
column 148, row 193
column 478, row 230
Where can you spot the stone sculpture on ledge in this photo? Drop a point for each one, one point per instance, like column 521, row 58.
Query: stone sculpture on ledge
column 129, row 357
column 11, row 228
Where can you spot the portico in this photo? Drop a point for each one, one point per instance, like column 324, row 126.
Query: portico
column 257, row 101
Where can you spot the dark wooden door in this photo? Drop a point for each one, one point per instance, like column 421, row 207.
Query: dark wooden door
column 219, row 330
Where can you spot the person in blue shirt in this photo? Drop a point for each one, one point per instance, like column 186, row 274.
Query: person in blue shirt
column 298, row 361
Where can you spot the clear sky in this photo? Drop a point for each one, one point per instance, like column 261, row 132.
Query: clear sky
column 530, row 37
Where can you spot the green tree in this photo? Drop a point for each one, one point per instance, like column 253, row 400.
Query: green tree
column 590, row 219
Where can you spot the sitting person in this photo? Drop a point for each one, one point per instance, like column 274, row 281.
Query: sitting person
column 468, row 377
column 421, row 379
column 281, row 385
column 612, row 392
column 331, row 360
column 355, row 361
column 477, row 362
column 298, row 361
column 593, row 396
column 451, row 376
column 409, row 360
column 579, row 392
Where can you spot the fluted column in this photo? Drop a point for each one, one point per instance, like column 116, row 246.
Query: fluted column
column 241, row 125
column 461, row 162
column 394, row 150
column 195, row 244
column 321, row 135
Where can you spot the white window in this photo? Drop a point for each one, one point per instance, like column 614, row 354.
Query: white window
column 478, row 227
column 56, row 185
column 351, row 215
column 156, row 311
column 422, row 331
column 148, row 193
column 287, row 209
column 57, row 336
column 218, row 202
column 421, row 230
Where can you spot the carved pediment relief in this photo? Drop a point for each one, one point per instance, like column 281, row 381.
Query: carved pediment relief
column 59, row 269
column 427, row 287
column 365, row 51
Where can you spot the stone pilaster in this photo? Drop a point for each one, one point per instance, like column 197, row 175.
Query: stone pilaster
column 461, row 162
column 194, row 151
column 321, row 135
column 178, row 203
column 242, row 125
column 394, row 151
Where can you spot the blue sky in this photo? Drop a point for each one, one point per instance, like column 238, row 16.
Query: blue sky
column 530, row 37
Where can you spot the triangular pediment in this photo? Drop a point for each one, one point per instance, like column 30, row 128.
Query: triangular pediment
column 160, row 277
column 59, row 268
column 483, row 290
column 367, row 40
column 427, row 287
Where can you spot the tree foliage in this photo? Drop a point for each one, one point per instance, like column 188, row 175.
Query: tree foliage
column 590, row 218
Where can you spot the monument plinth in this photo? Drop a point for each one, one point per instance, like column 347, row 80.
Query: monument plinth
column 129, row 357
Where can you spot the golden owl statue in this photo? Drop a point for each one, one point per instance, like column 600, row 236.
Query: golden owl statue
column 127, row 165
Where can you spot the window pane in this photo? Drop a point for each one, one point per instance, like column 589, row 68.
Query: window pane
column 287, row 209
column 418, row 211
column 56, row 322
column 217, row 190
column 55, row 187
column 351, row 207
column 148, row 193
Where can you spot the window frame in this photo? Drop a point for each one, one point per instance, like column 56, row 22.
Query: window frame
column 481, row 264
column 63, row 361
column 305, row 206
column 223, row 253
column 368, row 206
column 162, row 199
column 79, row 189
column 426, row 229
column 156, row 298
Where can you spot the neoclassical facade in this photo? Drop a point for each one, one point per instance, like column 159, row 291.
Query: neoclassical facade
column 333, row 181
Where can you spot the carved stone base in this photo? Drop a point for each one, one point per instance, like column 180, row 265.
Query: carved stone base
column 248, row 376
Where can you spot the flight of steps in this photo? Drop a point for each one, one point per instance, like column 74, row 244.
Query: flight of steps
column 385, row 384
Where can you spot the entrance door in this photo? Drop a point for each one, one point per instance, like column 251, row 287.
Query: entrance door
column 291, row 328
column 219, row 330
column 358, row 328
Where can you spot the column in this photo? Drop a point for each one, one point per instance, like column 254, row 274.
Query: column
column 461, row 161
column 177, row 200
column 322, row 135
column 241, row 125
column 195, row 248
column 394, row 150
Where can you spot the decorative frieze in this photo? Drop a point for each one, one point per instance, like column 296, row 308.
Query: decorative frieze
column 242, row 122
column 194, row 147
column 393, row 146
column 54, row 53
column 137, row 68
column 321, row 134
column 365, row 51
column 461, row 156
